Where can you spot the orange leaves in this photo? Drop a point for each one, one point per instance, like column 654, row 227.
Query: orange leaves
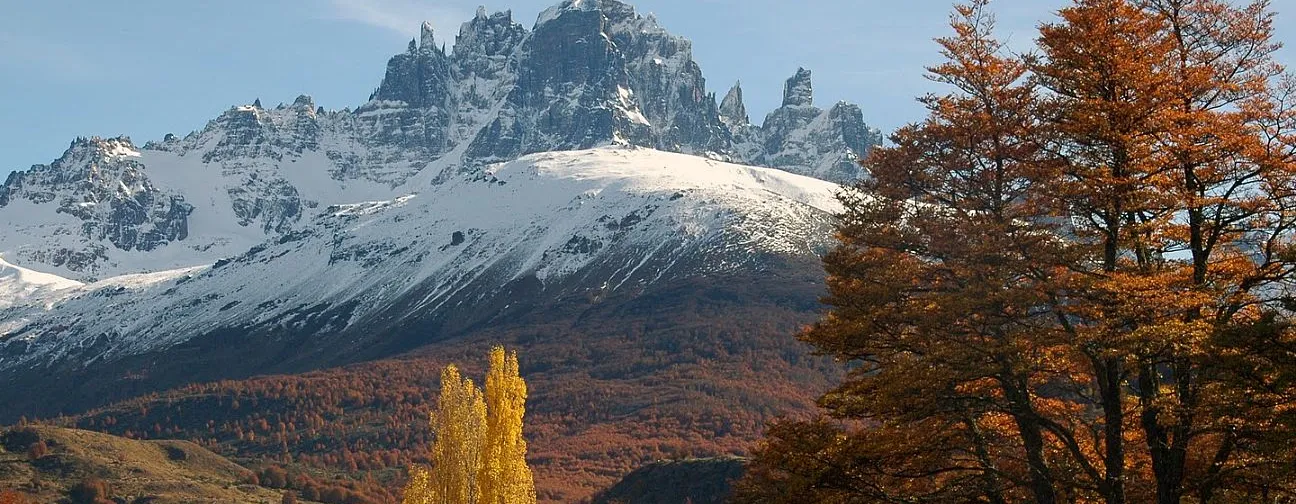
column 1080, row 265
column 12, row 497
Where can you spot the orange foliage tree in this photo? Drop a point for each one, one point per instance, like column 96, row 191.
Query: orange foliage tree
column 1073, row 282
column 12, row 497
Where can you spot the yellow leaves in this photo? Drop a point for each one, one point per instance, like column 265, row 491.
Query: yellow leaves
column 459, row 424
column 479, row 456
column 418, row 490
column 504, row 477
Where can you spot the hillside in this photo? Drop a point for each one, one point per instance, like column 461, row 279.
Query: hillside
column 695, row 371
column 154, row 472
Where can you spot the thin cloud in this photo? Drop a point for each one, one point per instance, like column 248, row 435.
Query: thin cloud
column 401, row 17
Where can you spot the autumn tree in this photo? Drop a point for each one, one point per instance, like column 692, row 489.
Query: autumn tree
column 479, row 455
column 90, row 491
column 12, row 497
column 37, row 450
column 418, row 489
column 1174, row 123
column 459, row 424
column 504, row 477
column 945, row 257
column 1073, row 280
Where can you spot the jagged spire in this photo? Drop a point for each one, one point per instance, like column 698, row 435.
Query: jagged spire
column 427, row 36
column 798, row 91
column 732, row 108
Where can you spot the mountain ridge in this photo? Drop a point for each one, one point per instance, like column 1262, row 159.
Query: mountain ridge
column 502, row 92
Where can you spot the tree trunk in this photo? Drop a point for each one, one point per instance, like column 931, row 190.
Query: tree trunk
column 1041, row 482
column 1109, row 375
column 1165, row 468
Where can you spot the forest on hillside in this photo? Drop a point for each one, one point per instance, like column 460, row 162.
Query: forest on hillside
column 588, row 419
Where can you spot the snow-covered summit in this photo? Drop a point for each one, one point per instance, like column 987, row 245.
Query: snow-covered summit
column 547, row 225
column 589, row 73
column 556, row 11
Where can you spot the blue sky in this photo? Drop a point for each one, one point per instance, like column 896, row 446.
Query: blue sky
column 145, row 68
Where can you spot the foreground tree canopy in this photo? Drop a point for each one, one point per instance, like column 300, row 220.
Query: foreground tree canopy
column 479, row 456
column 1074, row 281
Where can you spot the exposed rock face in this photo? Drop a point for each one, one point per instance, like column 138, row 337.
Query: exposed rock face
column 110, row 198
column 253, row 132
column 667, row 84
column 593, row 72
column 732, row 109
column 798, row 91
column 801, row 138
column 416, row 94
column 480, row 63
column 572, row 91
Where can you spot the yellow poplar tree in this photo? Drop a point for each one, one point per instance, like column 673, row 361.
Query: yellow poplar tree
column 505, row 477
column 460, row 426
column 479, row 456
column 418, row 490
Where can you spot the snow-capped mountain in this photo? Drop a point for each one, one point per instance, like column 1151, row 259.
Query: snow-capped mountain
column 551, row 224
column 581, row 158
column 590, row 73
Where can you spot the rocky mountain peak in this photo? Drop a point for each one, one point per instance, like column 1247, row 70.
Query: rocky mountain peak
column 798, row 91
column 589, row 73
column 427, row 37
column 567, row 6
column 102, row 197
column 732, row 109
column 97, row 149
column 82, row 164
column 485, row 38
column 304, row 102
